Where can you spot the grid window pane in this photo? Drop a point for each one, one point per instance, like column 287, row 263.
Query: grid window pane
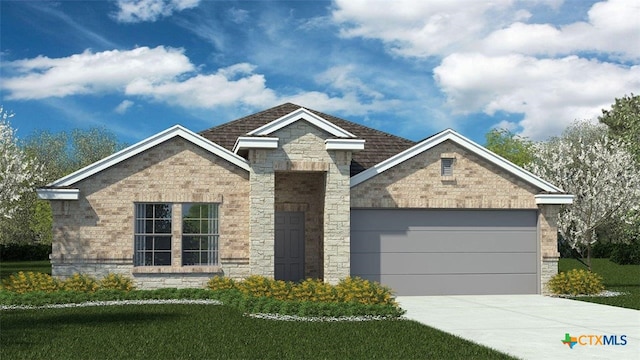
column 200, row 234
column 152, row 238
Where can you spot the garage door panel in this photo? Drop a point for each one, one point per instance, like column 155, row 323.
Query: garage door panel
column 459, row 284
column 404, row 219
column 444, row 241
column 438, row 252
column 442, row 263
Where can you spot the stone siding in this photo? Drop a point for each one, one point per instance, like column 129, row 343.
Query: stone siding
column 98, row 229
column 304, row 192
column 301, row 148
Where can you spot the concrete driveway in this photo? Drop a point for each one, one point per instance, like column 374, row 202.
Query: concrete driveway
column 532, row 326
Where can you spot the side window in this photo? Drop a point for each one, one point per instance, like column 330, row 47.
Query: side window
column 200, row 234
column 152, row 235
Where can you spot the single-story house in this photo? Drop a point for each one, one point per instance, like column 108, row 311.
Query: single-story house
column 293, row 193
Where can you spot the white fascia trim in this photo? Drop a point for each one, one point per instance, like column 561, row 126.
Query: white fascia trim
column 58, row 194
column 554, row 199
column 344, row 144
column 246, row 142
column 478, row 150
column 146, row 144
column 302, row 114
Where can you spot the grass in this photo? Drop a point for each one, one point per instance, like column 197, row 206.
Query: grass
column 622, row 278
column 210, row 331
column 10, row 267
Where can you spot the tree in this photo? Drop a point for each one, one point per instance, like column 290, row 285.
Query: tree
column 517, row 149
column 600, row 171
column 65, row 152
column 623, row 121
column 18, row 173
column 59, row 154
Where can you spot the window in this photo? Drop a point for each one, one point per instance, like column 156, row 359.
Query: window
column 153, row 235
column 200, row 234
column 447, row 167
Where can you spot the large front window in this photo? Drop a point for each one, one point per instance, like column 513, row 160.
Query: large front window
column 200, row 234
column 153, row 235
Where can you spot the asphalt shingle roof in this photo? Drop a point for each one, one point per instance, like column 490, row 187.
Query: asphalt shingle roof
column 378, row 145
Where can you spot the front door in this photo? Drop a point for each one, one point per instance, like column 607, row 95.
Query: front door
column 289, row 246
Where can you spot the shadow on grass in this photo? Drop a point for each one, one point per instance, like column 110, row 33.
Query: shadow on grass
column 50, row 322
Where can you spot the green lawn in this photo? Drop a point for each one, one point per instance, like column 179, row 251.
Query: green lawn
column 623, row 278
column 9, row 267
column 210, row 331
column 213, row 332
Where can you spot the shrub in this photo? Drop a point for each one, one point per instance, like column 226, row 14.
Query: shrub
column 315, row 290
column 24, row 252
column 576, row 282
column 30, row 281
column 221, row 283
column 116, row 282
column 256, row 285
column 310, row 290
column 80, row 282
column 626, row 254
column 364, row 292
column 602, row 250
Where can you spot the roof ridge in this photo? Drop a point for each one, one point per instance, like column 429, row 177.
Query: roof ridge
column 232, row 122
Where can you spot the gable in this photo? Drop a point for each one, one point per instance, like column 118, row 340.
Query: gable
column 61, row 188
column 379, row 145
column 419, row 183
column 301, row 114
column 478, row 150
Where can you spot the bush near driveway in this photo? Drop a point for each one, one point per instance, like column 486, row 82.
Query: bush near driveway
column 619, row 278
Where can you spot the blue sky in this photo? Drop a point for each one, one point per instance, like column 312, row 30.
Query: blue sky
column 411, row 68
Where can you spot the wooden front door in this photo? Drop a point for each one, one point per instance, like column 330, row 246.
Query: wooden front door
column 289, row 246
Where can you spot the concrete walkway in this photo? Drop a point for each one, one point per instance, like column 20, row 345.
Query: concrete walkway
column 530, row 326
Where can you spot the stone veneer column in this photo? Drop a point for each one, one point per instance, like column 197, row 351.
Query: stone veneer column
column 261, row 214
column 337, row 213
column 548, row 227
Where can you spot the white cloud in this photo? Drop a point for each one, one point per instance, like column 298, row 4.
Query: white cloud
column 551, row 93
column 89, row 73
column 133, row 11
column 123, row 106
column 342, row 78
column 493, row 59
column 231, row 85
column 167, row 75
column 238, row 16
column 420, row 28
column 613, row 27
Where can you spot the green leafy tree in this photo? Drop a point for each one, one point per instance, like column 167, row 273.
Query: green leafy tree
column 623, row 121
column 59, row 154
column 513, row 147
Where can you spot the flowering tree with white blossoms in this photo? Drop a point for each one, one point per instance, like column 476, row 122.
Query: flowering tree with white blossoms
column 602, row 174
column 18, row 173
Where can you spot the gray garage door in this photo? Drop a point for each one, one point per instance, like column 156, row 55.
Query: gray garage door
column 446, row 252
